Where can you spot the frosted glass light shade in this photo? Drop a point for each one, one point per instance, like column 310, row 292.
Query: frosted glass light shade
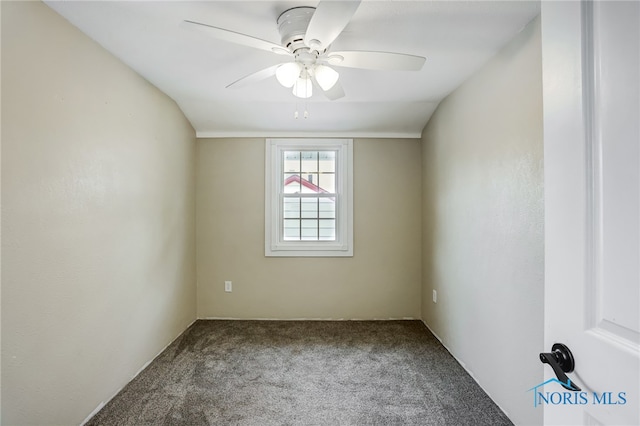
column 326, row 77
column 288, row 73
column 303, row 88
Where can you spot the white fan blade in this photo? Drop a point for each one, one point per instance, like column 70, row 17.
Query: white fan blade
column 254, row 77
column 327, row 22
column 234, row 37
column 336, row 91
column 376, row 60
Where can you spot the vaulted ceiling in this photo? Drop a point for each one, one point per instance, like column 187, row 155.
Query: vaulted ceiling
column 456, row 37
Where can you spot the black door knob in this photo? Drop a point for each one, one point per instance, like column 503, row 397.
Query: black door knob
column 561, row 360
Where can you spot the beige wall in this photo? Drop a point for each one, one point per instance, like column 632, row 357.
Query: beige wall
column 382, row 280
column 483, row 208
column 98, row 220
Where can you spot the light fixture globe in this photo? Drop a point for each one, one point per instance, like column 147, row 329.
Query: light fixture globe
column 303, row 87
column 325, row 76
column 288, row 73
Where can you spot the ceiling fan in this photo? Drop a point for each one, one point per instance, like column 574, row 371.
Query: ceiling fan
column 306, row 35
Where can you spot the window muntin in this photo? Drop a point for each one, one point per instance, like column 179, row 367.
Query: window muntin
column 309, row 195
column 308, row 208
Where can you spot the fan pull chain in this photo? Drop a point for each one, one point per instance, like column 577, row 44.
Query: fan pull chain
column 296, row 114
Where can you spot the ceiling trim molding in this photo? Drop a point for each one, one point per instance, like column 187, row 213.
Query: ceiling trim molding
column 376, row 135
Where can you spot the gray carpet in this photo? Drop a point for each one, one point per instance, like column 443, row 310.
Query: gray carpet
column 303, row 373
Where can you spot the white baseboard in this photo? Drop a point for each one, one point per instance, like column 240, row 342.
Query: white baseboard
column 146, row 364
column 308, row 319
column 463, row 365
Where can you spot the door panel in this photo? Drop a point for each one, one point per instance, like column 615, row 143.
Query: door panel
column 615, row 162
column 591, row 57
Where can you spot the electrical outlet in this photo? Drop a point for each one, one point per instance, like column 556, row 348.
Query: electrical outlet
column 227, row 286
column 435, row 296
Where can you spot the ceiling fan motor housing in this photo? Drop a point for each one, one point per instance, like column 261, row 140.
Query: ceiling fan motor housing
column 292, row 25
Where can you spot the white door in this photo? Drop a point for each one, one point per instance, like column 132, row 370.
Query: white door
column 591, row 56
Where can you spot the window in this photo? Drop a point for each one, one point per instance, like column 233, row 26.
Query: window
column 308, row 197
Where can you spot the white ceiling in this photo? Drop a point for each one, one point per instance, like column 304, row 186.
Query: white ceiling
column 456, row 37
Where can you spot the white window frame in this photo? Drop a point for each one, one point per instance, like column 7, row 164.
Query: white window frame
column 275, row 245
